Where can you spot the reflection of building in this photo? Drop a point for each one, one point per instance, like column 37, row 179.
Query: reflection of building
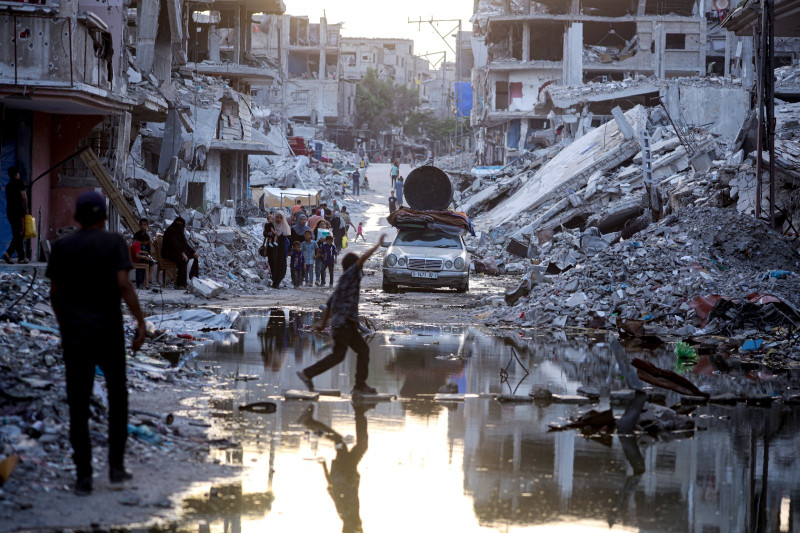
column 516, row 471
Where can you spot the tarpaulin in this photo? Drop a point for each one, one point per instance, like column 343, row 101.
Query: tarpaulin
column 463, row 98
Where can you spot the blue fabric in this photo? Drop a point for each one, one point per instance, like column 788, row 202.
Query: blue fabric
column 512, row 139
column 464, row 98
column 8, row 158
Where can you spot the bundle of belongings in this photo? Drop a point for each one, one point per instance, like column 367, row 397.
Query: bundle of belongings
column 450, row 222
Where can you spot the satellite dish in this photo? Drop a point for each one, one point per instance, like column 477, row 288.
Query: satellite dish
column 721, row 5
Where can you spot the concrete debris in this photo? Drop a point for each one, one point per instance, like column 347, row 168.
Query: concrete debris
column 34, row 424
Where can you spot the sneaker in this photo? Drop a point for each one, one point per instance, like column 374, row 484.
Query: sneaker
column 83, row 486
column 118, row 474
column 306, row 381
column 362, row 389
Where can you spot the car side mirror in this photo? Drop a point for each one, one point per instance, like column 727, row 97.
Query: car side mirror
column 472, row 249
column 385, row 245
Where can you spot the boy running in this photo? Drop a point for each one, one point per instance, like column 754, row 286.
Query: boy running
column 342, row 310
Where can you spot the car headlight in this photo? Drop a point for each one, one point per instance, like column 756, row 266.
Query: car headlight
column 401, row 262
column 391, row 260
column 448, row 265
column 460, row 264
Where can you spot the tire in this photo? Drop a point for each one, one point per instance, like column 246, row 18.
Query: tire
column 388, row 287
column 463, row 288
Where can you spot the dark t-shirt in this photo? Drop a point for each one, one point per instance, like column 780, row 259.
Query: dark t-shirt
column 14, row 204
column 85, row 265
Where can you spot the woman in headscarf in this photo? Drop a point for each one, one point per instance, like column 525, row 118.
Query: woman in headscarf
column 277, row 254
column 299, row 229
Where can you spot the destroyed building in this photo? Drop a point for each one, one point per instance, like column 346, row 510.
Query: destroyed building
column 392, row 58
column 63, row 87
column 529, row 46
column 310, row 91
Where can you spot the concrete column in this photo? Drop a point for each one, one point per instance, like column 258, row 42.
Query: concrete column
column 237, row 28
column 730, row 42
column 526, row 42
column 323, row 41
column 660, row 41
column 523, row 133
column 147, row 28
column 213, row 44
column 572, row 63
column 748, row 67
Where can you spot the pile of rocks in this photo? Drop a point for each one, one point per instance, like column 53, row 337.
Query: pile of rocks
column 583, row 279
column 34, row 420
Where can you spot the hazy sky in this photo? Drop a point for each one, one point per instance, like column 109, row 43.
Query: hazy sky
column 381, row 18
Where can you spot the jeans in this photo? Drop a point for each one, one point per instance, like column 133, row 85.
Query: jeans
column 344, row 337
column 308, row 274
column 297, row 277
column 356, row 188
column 80, row 369
column 318, row 270
column 328, row 268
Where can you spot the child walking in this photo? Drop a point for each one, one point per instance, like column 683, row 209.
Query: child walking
column 297, row 264
column 342, row 310
column 309, row 249
column 327, row 255
column 360, row 232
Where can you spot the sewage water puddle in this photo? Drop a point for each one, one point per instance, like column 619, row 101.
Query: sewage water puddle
column 415, row 464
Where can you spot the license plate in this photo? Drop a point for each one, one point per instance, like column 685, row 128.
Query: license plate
column 430, row 275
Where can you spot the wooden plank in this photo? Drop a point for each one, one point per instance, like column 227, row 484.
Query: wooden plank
column 114, row 195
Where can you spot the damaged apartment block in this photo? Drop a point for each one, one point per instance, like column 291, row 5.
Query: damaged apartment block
column 531, row 46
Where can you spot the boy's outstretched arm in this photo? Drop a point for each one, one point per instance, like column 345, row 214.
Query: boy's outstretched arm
column 366, row 255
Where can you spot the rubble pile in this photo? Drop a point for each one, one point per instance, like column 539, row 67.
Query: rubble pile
column 583, row 279
column 34, row 420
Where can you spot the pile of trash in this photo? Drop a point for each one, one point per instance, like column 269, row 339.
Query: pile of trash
column 589, row 280
column 34, row 421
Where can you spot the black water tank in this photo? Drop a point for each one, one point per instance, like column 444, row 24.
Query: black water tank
column 428, row 189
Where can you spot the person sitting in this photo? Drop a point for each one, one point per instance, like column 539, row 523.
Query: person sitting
column 176, row 249
column 142, row 258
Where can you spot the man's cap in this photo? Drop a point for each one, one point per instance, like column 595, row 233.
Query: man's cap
column 90, row 207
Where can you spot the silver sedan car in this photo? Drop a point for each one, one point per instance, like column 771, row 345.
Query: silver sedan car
column 426, row 258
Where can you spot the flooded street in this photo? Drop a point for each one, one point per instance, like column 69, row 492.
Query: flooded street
column 478, row 464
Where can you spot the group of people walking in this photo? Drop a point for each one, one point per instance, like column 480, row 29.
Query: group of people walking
column 309, row 246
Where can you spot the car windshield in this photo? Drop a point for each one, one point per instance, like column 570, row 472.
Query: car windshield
column 434, row 239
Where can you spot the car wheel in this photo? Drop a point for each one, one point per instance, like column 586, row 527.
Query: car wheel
column 463, row 288
column 389, row 287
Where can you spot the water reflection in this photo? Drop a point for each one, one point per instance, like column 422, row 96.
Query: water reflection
column 343, row 478
column 481, row 464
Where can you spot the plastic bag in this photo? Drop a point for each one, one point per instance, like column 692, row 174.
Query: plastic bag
column 344, row 243
column 30, row 227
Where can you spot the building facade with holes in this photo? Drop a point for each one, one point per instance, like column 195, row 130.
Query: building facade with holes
column 62, row 87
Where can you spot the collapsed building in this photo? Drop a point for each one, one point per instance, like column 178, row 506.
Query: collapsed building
column 530, row 46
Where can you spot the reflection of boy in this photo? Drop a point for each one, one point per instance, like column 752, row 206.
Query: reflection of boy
column 297, row 264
